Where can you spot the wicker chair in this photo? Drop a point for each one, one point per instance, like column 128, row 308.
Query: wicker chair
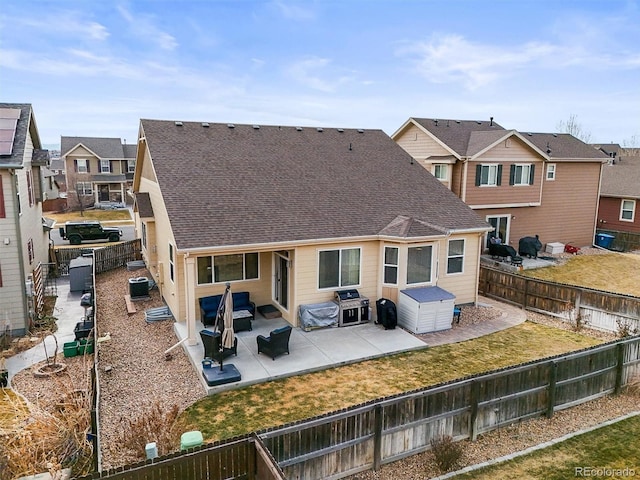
column 276, row 343
column 211, row 341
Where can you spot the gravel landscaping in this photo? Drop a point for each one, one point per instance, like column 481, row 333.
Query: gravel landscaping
column 134, row 375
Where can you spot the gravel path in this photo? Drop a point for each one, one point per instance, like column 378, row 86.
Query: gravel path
column 139, row 376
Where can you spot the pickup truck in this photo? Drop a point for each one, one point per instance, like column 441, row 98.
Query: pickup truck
column 77, row 232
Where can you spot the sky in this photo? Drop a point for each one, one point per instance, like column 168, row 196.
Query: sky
column 95, row 68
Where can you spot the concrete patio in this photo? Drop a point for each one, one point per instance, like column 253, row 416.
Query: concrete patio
column 310, row 351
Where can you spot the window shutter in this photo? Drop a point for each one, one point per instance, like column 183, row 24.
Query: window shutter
column 478, row 174
column 512, row 175
column 89, row 163
column 531, row 174
column 499, row 175
column 75, row 165
column 2, row 211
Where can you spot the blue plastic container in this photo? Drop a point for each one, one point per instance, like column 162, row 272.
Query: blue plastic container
column 604, row 240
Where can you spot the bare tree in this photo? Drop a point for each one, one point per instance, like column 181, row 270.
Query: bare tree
column 574, row 128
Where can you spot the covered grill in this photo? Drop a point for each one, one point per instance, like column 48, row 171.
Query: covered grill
column 353, row 308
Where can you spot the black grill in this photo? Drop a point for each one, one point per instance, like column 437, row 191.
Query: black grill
column 354, row 308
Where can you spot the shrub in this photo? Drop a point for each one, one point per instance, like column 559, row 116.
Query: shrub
column 447, row 453
column 625, row 329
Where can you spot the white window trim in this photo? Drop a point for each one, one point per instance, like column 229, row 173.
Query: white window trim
column 244, row 269
column 551, row 169
column 324, row 289
column 172, row 261
column 449, row 256
column 490, row 166
column 385, row 265
column 432, row 272
column 632, row 209
column 523, row 181
column 131, row 166
column 85, row 165
column 103, row 164
column 440, row 167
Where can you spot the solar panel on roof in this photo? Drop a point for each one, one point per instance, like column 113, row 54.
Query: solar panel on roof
column 8, row 122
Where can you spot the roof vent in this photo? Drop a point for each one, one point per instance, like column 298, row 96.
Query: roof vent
column 256, row 127
column 360, row 130
column 555, row 135
column 436, row 122
column 478, row 122
column 231, row 125
column 319, row 129
column 205, row 124
column 458, row 121
column 178, row 124
column 530, row 134
column 299, row 129
column 341, row 130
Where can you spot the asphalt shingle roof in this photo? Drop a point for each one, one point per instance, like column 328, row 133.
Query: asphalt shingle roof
column 622, row 179
column 564, row 145
column 105, row 148
column 456, row 134
column 246, row 185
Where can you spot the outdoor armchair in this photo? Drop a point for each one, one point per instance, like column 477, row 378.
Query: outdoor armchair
column 211, row 341
column 276, row 343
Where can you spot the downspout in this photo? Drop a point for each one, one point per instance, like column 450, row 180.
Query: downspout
column 21, row 265
column 463, row 181
column 595, row 216
column 189, row 276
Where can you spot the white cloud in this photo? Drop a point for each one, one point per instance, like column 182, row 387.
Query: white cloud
column 452, row 58
column 310, row 72
column 294, row 11
column 142, row 26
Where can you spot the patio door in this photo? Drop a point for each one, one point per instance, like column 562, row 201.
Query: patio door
column 500, row 226
column 281, row 279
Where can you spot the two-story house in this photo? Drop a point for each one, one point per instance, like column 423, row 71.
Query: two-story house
column 523, row 184
column 98, row 170
column 293, row 214
column 24, row 241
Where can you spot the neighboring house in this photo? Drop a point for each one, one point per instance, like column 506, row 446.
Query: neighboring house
column 98, row 170
column 523, row 184
column 619, row 209
column 294, row 214
column 24, row 237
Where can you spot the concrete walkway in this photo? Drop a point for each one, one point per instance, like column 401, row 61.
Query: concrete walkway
column 68, row 311
column 510, row 317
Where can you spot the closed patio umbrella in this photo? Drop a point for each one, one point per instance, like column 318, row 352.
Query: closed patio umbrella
column 228, row 336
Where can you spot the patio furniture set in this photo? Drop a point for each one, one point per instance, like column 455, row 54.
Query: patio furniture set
column 277, row 343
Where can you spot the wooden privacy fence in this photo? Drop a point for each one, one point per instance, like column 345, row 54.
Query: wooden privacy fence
column 105, row 258
column 602, row 310
column 367, row 436
column 623, row 241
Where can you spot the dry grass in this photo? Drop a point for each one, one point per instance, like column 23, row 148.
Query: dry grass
column 614, row 272
column 268, row 404
column 45, row 437
column 93, row 214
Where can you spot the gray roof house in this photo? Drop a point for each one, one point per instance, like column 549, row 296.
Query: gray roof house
column 97, row 170
column 23, row 230
column 292, row 214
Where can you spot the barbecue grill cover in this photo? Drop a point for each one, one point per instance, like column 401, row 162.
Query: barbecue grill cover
column 319, row 314
column 529, row 246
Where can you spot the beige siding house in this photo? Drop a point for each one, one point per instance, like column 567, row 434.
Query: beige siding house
column 24, row 237
column 523, row 184
column 98, row 170
column 292, row 215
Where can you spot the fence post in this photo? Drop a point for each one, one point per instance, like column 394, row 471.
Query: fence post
column 551, row 396
column 619, row 366
column 473, row 427
column 377, row 437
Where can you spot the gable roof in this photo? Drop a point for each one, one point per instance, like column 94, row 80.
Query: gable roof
column 563, row 146
column 246, row 184
column 621, row 179
column 26, row 125
column 103, row 147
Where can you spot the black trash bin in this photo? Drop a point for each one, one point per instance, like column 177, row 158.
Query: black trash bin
column 139, row 287
column 387, row 313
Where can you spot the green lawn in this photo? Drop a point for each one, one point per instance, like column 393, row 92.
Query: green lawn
column 602, row 453
column 274, row 403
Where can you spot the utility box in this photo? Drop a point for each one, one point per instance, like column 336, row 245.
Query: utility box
column 554, row 247
column 425, row 309
column 80, row 273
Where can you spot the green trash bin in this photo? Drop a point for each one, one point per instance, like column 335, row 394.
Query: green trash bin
column 70, row 349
